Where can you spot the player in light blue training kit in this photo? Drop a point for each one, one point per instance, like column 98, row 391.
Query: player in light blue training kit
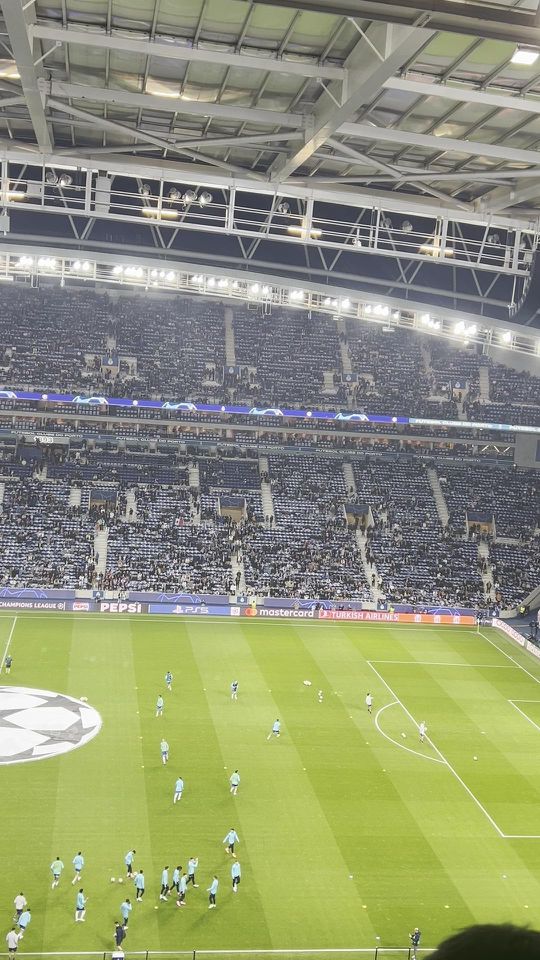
column 164, row 892
column 276, row 727
column 234, row 690
column 23, row 921
column 78, row 863
column 181, row 902
column 159, row 706
column 169, row 679
column 139, row 885
column 164, row 746
column 211, row 891
column 193, row 863
column 178, row 789
column 80, row 906
column 125, row 909
column 234, row 781
column 128, row 860
column 176, row 879
column 231, row 838
column 56, row 868
column 236, row 873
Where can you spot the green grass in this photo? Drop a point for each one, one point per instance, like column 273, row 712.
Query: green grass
column 345, row 836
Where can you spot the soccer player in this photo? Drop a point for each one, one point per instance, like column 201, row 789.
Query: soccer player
column 24, row 920
column 178, row 789
column 181, row 902
column 169, row 679
column 176, row 879
column 193, row 863
column 119, row 934
column 7, row 663
column 20, row 904
column 422, row 730
column 139, row 885
column 125, row 909
column 128, row 860
column 236, row 874
column 369, row 702
column 234, row 690
column 78, row 863
column 320, row 696
column 164, row 884
column 159, row 706
column 275, row 731
column 12, row 939
column 164, row 752
column 212, row 890
column 56, row 868
column 234, row 781
column 231, row 838
column 414, row 937
column 80, row 906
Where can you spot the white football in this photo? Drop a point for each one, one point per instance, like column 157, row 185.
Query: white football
column 120, row 880
column 307, row 683
column 113, row 879
column 37, row 724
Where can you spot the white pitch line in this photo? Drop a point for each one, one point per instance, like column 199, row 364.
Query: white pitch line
column 396, row 743
column 3, row 660
column 522, row 712
column 443, row 758
column 443, row 663
column 508, row 657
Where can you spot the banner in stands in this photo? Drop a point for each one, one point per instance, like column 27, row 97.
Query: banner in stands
column 19, row 604
column 517, row 637
column 191, row 609
column 183, row 406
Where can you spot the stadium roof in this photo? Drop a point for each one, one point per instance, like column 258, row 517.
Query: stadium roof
column 391, row 145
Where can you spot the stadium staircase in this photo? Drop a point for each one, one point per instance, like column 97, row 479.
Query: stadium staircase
column 483, row 384
column 194, row 481
column 266, row 492
column 230, row 349
column 350, row 482
column 2, row 491
column 343, row 345
column 237, row 565
column 370, row 570
column 101, row 538
column 488, row 577
column 438, row 496
column 131, row 504
column 426, row 359
column 75, row 495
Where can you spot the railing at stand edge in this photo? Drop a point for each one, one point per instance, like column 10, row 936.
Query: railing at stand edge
column 366, row 953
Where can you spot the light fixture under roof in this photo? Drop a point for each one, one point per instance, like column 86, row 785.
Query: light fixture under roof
column 205, row 198
column 525, row 56
column 145, row 190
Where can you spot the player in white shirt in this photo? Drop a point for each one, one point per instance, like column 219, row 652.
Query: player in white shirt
column 12, row 940
column 422, row 730
column 369, row 702
column 20, row 904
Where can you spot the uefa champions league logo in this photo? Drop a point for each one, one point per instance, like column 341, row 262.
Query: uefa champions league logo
column 37, row 724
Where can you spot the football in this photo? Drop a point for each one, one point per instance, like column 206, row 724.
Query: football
column 37, row 724
column 112, row 879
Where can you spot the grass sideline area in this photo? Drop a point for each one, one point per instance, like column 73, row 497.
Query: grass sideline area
column 351, row 831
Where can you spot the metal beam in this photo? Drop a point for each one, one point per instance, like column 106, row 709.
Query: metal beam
column 508, row 196
column 492, row 22
column 145, row 101
column 380, row 52
column 17, row 28
column 410, row 138
column 99, row 39
column 463, row 94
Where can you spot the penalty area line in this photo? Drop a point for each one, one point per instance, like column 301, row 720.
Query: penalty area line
column 522, row 712
column 9, row 639
column 441, row 755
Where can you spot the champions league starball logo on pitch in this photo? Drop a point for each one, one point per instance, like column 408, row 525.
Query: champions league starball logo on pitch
column 37, row 724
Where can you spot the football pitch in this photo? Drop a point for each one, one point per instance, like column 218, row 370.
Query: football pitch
column 352, row 832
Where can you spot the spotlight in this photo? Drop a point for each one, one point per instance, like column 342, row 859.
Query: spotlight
column 145, row 190
column 494, row 239
column 189, row 197
column 407, row 226
column 346, row 303
column 51, row 178
column 65, row 180
column 387, row 223
column 283, row 208
column 117, row 270
column 174, row 194
column 205, row 198
column 506, row 337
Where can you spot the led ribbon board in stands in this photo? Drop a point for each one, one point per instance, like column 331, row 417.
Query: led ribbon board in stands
column 186, row 406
